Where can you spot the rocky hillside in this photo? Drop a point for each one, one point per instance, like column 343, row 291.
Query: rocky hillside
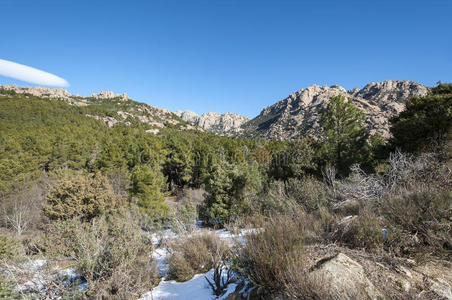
column 294, row 116
column 224, row 124
column 107, row 106
column 298, row 114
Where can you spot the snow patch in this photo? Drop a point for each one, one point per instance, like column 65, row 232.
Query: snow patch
column 195, row 288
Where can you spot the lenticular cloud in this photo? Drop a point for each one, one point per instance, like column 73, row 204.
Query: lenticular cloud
column 29, row 74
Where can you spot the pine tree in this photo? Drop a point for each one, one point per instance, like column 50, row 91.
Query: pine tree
column 147, row 185
column 344, row 133
column 227, row 187
column 426, row 122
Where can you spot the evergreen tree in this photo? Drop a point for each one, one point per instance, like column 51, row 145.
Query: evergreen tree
column 295, row 160
column 147, row 186
column 344, row 133
column 426, row 122
column 227, row 188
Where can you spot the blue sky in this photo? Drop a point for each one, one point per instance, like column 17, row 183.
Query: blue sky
column 235, row 55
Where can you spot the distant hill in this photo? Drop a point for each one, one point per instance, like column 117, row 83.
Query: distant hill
column 106, row 106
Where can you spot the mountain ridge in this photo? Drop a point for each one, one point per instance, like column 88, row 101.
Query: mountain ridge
column 295, row 116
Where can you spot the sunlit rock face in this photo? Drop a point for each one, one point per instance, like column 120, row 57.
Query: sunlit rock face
column 224, row 124
column 299, row 114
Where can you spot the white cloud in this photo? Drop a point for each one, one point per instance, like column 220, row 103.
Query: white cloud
column 29, row 74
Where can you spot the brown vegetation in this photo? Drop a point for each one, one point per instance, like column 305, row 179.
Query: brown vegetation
column 195, row 254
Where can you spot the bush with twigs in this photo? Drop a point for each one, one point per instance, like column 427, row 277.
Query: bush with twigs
column 112, row 254
column 275, row 259
column 195, row 254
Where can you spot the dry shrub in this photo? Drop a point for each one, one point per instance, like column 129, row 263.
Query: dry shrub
column 179, row 268
column 222, row 277
column 112, row 254
column 414, row 202
column 274, row 259
column 299, row 283
column 420, row 221
column 362, row 231
column 195, row 254
column 308, row 192
column 236, row 223
column 322, row 222
column 409, row 171
column 22, row 207
column 33, row 243
column 360, row 186
column 404, row 171
column 184, row 216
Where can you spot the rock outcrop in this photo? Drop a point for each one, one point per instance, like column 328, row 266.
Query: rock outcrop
column 298, row 115
column 224, row 124
column 347, row 278
column 38, row 91
column 110, row 95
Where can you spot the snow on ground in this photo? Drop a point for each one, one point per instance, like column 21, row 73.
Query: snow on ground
column 160, row 255
column 232, row 239
column 197, row 287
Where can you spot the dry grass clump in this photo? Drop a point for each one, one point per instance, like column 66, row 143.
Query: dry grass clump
column 420, row 221
column 274, row 259
column 195, row 254
column 362, row 231
column 308, row 192
column 111, row 253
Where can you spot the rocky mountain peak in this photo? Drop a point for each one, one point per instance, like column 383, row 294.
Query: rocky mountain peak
column 298, row 114
column 224, row 124
column 392, row 91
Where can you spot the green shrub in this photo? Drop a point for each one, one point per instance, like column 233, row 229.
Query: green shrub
column 147, row 185
column 10, row 248
column 84, row 196
column 227, row 189
column 196, row 254
column 184, row 218
column 7, row 290
column 273, row 200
